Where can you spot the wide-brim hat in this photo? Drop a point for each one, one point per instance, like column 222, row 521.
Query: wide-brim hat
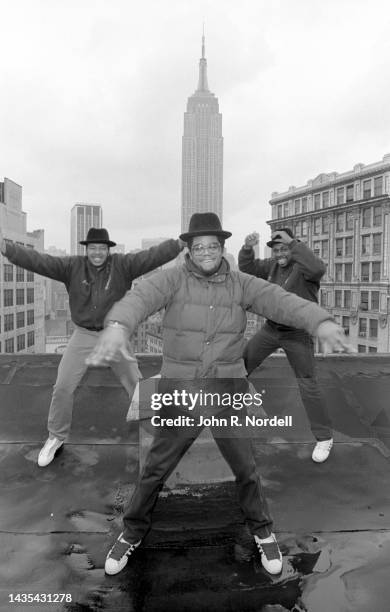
column 99, row 235
column 276, row 240
column 204, row 224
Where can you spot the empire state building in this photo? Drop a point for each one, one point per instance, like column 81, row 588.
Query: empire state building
column 202, row 152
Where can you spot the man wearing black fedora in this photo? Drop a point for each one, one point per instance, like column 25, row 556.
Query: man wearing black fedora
column 203, row 343
column 94, row 283
column 296, row 268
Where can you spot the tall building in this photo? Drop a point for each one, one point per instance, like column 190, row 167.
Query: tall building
column 202, row 151
column 82, row 218
column 22, row 294
column 345, row 219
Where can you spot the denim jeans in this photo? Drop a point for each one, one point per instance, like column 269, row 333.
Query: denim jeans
column 299, row 349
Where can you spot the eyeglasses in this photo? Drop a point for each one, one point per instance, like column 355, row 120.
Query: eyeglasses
column 200, row 249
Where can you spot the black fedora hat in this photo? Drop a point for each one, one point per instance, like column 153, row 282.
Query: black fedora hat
column 98, row 235
column 204, row 224
column 277, row 239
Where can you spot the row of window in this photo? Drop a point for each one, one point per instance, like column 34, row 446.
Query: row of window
column 8, row 296
column 362, row 348
column 343, row 195
column 370, row 244
column 368, row 326
column 371, row 216
column 20, row 276
column 368, row 300
column 21, row 341
column 21, row 320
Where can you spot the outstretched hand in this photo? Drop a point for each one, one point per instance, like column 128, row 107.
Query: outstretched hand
column 252, row 239
column 332, row 338
column 111, row 346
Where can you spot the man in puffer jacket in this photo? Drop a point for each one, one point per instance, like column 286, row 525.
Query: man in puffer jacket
column 297, row 269
column 203, row 342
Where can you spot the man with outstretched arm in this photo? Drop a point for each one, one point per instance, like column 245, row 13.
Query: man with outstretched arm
column 94, row 283
column 297, row 269
column 203, row 342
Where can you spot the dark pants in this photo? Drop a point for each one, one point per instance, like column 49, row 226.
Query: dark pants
column 168, row 447
column 299, row 350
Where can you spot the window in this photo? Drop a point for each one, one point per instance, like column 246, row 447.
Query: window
column 378, row 186
column 347, row 299
column 372, row 349
column 8, row 322
column 19, row 319
column 340, row 195
column 339, row 272
column 8, row 273
column 30, row 276
column 347, row 272
column 304, row 205
column 8, row 296
column 317, row 248
column 340, row 222
column 325, row 249
column 367, row 189
column 362, row 327
column 325, row 225
column 30, row 295
column 377, row 216
column 280, row 211
column 285, row 209
column 365, row 272
column 30, row 338
column 376, row 270
column 348, row 246
column 19, row 274
column 349, row 193
column 337, row 298
column 364, row 300
column 373, row 328
column 9, row 345
column 361, row 348
column 325, row 199
column 374, row 300
column 323, row 298
column 365, row 245
column 377, row 244
column 297, row 206
column 349, row 221
column 366, row 221
column 339, row 247
column 345, row 324
column 317, row 225
column 20, row 342
column 317, row 201
column 30, row 317
column 19, row 297
column 304, row 228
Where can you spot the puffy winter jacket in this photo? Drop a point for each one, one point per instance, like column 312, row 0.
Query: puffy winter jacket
column 205, row 317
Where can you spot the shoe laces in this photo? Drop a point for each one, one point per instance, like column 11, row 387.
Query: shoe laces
column 120, row 549
column 325, row 444
column 269, row 549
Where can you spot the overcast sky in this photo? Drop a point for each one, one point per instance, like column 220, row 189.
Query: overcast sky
column 93, row 94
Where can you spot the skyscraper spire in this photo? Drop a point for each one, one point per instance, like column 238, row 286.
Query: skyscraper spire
column 203, row 85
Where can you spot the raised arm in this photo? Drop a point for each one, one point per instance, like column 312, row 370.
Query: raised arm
column 30, row 259
column 137, row 264
column 311, row 266
column 246, row 258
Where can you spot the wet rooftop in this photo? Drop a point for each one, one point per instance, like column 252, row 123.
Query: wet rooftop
column 332, row 520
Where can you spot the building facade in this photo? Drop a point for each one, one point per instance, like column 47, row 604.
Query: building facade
column 202, row 151
column 82, row 218
column 345, row 219
column 22, row 293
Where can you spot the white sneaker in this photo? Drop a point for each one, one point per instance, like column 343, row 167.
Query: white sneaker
column 321, row 450
column 48, row 451
column 270, row 555
column 118, row 556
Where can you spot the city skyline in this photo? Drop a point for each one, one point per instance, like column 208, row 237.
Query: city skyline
column 99, row 117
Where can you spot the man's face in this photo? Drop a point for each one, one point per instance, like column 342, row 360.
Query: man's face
column 206, row 253
column 97, row 253
column 281, row 253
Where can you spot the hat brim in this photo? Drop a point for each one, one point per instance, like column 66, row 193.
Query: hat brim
column 205, row 232
column 109, row 243
column 272, row 243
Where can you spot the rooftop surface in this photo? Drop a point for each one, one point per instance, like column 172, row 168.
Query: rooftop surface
column 332, row 520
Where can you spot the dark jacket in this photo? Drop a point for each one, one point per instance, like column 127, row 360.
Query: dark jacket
column 205, row 317
column 92, row 291
column 303, row 273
